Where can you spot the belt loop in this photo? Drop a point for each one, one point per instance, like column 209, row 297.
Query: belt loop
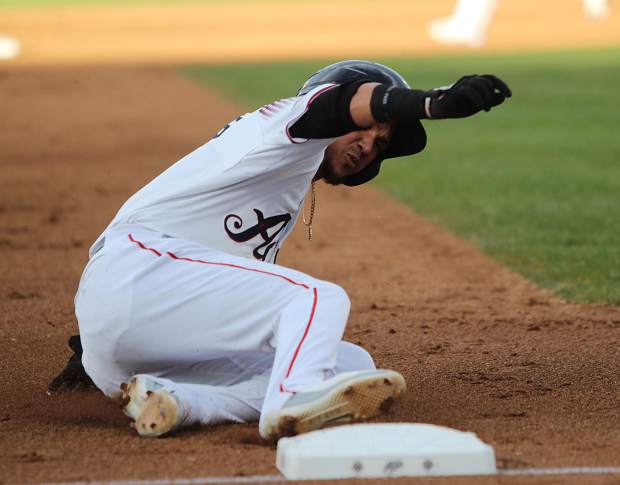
column 98, row 246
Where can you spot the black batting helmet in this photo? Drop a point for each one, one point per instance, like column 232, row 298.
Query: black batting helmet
column 406, row 139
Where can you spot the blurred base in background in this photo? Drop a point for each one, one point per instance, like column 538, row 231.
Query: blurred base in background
column 9, row 48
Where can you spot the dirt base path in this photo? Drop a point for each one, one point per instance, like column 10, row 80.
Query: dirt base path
column 480, row 347
column 272, row 30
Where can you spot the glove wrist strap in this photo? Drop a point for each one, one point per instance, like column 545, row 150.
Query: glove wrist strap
column 427, row 107
column 399, row 104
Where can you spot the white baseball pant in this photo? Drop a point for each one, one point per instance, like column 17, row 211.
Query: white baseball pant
column 233, row 336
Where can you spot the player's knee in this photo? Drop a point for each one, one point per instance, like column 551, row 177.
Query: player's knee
column 101, row 365
column 335, row 296
column 106, row 378
column 352, row 357
column 363, row 360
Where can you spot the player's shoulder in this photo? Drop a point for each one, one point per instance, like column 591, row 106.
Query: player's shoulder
column 279, row 106
column 303, row 100
column 278, row 116
column 316, row 91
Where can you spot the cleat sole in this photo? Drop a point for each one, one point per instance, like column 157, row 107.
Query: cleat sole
column 153, row 413
column 359, row 399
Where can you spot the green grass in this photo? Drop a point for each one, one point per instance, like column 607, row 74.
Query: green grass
column 535, row 183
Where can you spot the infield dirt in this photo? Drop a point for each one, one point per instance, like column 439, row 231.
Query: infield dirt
column 480, row 347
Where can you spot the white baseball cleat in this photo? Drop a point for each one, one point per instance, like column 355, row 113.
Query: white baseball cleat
column 347, row 397
column 154, row 409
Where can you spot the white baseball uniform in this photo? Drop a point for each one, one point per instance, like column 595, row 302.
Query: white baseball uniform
column 470, row 19
column 182, row 285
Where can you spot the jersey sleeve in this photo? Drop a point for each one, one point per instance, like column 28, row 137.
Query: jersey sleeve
column 329, row 114
column 312, row 116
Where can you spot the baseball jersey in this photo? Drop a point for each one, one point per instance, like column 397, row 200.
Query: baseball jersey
column 242, row 191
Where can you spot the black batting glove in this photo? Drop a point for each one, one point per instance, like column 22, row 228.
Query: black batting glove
column 467, row 96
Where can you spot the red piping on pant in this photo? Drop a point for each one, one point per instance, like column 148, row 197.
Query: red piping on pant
column 290, row 367
column 230, row 265
column 143, row 246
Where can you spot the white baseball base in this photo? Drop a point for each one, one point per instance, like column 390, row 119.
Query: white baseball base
column 384, row 450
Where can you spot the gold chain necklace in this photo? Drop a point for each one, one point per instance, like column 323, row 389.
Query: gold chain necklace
column 308, row 223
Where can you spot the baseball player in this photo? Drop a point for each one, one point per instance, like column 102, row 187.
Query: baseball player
column 470, row 19
column 183, row 313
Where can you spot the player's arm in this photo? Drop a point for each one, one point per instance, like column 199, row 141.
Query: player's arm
column 466, row 97
column 359, row 105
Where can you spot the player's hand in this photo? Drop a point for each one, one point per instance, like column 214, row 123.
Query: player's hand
column 467, row 96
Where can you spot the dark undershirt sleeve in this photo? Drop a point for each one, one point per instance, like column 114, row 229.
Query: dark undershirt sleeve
column 328, row 116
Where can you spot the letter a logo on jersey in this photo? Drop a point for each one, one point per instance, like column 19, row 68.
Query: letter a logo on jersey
column 260, row 229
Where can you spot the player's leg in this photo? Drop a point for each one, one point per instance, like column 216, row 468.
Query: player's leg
column 596, row 9
column 223, row 390
column 233, row 389
column 353, row 390
column 151, row 303
column 352, row 357
column 242, row 383
column 467, row 25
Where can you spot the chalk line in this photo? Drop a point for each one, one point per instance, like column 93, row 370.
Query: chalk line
column 585, row 470
column 578, row 470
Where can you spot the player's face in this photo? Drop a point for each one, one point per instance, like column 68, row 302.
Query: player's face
column 352, row 152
